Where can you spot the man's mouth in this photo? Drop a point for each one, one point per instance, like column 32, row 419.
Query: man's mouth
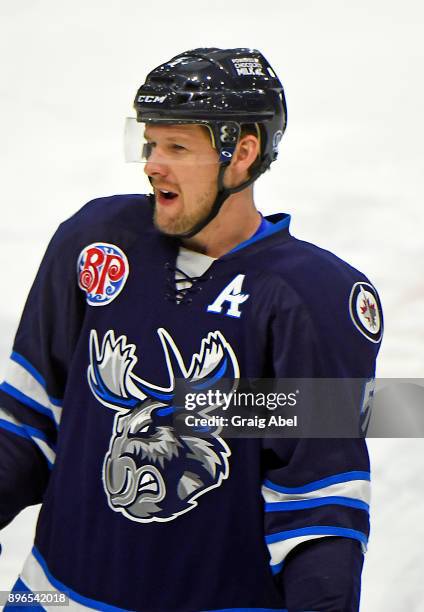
column 165, row 197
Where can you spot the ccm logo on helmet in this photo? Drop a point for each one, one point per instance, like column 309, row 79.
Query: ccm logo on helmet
column 159, row 99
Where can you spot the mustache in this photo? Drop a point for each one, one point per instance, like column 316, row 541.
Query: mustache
column 158, row 185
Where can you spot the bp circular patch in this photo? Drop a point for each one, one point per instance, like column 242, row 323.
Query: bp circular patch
column 365, row 310
column 102, row 272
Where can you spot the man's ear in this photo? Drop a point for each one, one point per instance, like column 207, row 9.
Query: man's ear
column 247, row 150
column 245, row 155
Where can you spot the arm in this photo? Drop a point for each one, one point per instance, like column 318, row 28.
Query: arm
column 317, row 490
column 23, row 470
column 30, row 395
column 317, row 527
column 324, row 574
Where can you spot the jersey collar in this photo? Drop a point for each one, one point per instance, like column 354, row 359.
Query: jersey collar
column 279, row 222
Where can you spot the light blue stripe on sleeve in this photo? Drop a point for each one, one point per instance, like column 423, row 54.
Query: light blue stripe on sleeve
column 16, row 429
column 35, row 373
column 33, row 435
column 319, row 484
column 316, row 530
column 29, row 432
column 28, row 401
column 288, row 506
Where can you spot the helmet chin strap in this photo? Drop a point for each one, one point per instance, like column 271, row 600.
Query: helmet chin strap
column 222, row 195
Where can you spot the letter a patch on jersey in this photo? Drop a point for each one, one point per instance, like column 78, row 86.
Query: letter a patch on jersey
column 230, row 298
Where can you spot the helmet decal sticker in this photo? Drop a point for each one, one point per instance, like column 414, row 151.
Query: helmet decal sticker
column 158, row 99
column 248, row 66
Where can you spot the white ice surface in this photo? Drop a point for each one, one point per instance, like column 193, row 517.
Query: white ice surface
column 350, row 171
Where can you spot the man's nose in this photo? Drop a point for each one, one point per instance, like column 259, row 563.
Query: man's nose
column 156, row 165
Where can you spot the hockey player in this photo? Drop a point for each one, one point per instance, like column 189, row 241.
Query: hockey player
column 140, row 298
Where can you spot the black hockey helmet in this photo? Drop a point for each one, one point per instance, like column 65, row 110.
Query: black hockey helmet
column 224, row 89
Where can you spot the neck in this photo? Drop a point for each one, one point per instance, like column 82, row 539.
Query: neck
column 236, row 222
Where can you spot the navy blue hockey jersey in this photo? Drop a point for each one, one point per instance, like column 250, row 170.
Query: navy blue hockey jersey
column 135, row 516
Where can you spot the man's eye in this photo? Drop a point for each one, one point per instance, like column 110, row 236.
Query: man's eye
column 147, row 149
column 178, row 147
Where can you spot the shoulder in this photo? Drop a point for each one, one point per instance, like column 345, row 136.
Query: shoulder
column 313, row 272
column 113, row 225
column 112, row 215
column 119, row 220
column 338, row 300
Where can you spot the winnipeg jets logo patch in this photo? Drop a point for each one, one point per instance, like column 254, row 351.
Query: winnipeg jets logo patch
column 365, row 310
column 102, row 272
column 151, row 473
column 230, row 299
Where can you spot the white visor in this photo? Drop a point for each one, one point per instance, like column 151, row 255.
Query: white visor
column 167, row 144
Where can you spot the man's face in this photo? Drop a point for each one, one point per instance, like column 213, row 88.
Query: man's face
column 183, row 163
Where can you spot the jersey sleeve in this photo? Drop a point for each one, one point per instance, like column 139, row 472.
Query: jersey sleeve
column 32, row 391
column 316, row 491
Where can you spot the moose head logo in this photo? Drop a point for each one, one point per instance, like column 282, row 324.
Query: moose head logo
column 151, row 473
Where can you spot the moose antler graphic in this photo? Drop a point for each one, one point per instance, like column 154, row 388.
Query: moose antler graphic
column 150, row 472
